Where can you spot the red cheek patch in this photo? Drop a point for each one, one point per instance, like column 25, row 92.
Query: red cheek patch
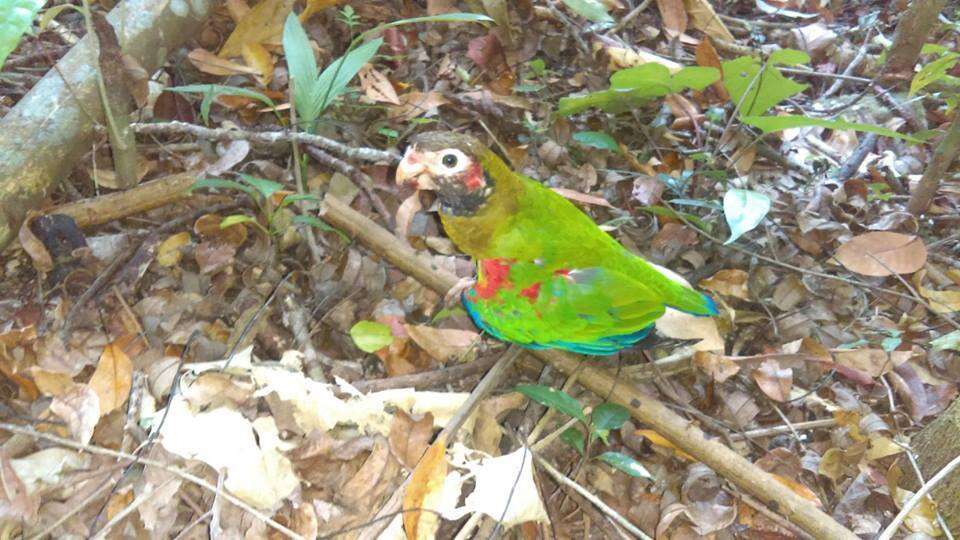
column 474, row 180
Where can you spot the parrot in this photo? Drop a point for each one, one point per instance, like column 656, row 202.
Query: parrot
column 547, row 275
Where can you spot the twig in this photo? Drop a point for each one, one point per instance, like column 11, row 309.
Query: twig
column 855, row 159
column 917, row 497
column 30, row 432
column 267, row 137
column 359, row 177
column 602, row 506
column 428, row 379
column 777, row 430
column 861, row 54
column 126, row 510
column 629, row 17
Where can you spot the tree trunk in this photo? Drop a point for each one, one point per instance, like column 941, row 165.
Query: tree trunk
column 943, row 157
column 935, row 446
column 51, row 127
column 913, row 30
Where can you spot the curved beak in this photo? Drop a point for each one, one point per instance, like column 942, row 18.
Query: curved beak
column 412, row 169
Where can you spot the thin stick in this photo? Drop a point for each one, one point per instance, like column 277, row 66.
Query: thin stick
column 917, row 497
column 30, row 432
column 602, row 506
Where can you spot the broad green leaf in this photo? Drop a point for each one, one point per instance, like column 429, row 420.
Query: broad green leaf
column 220, row 183
column 755, row 87
column 370, row 336
column 233, row 219
column 574, row 437
column 553, row 398
column 770, row 124
column 789, row 57
column 626, row 464
column 607, row 417
column 16, row 17
column 744, row 209
column 632, row 87
column 335, row 78
column 596, row 139
column 302, row 66
column 211, row 91
column 949, row 341
column 592, row 10
column 264, row 187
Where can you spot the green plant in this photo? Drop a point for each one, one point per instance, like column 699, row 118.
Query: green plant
column 313, row 91
column 935, row 72
column 596, row 425
column 15, row 19
column 211, row 91
column 275, row 216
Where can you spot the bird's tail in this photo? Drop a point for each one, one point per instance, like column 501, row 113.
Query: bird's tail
column 681, row 296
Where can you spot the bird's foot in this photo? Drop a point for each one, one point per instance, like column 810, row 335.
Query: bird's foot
column 453, row 295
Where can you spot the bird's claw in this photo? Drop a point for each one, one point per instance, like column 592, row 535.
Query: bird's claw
column 453, row 295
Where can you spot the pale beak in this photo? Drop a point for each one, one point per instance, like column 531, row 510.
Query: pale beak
column 411, row 169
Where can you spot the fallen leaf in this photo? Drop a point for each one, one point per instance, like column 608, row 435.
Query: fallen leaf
column 718, row 366
column 882, row 253
column 409, row 438
column 16, row 504
column 262, row 24
column 377, row 86
column 424, row 491
column 773, row 380
column 705, row 19
column 212, row 64
column 515, row 501
column 674, row 17
column 79, row 408
column 112, row 378
column 168, row 252
column 622, row 57
column 443, row 344
column 414, row 104
column 660, row 440
column 728, row 282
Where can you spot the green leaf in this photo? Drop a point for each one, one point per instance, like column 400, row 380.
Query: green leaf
column 264, row 187
column 16, row 17
column 755, row 87
column 592, row 10
column 626, row 464
column 744, row 209
column 371, row 336
column 443, row 17
column 789, row 57
column 313, row 221
column 933, row 72
column 574, row 437
column 597, row 139
column 297, row 197
column 671, row 213
column 334, row 79
column 609, row 416
column 220, row 183
column 211, row 91
column 770, row 124
column 635, row 86
column 553, row 398
column 302, row 66
column 233, row 219
column 949, row 341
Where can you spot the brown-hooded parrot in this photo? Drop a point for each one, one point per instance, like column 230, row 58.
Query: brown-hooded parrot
column 547, row 276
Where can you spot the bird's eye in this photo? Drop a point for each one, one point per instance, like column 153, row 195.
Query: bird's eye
column 449, row 161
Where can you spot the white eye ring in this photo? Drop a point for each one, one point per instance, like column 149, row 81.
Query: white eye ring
column 460, row 160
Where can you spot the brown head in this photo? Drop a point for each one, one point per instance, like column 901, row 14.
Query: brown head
column 450, row 164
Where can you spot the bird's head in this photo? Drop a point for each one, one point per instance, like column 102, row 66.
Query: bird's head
column 450, row 164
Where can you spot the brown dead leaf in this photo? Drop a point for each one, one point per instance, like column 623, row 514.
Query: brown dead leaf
column 316, row 6
column 882, row 253
column 377, row 86
column 707, row 56
column 16, row 504
column 874, row 362
column 442, row 344
column 112, row 378
column 705, row 19
column 487, row 431
column 259, row 58
column 674, row 17
column 423, row 492
column 773, row 380
column 414, row 104
column 168, row 252
column 51, row 383
column 409, row 438
column 622, row 57
column 212, row 64
column 262, row 24
column 941, row 301
column 718, row 366
column 79, row 408
column 729, row 282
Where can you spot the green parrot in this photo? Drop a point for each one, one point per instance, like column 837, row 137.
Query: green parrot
column 547, row 276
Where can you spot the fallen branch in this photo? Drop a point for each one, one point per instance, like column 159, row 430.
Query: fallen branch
column 645, row 408
column 267, row 137
column 48, row 130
